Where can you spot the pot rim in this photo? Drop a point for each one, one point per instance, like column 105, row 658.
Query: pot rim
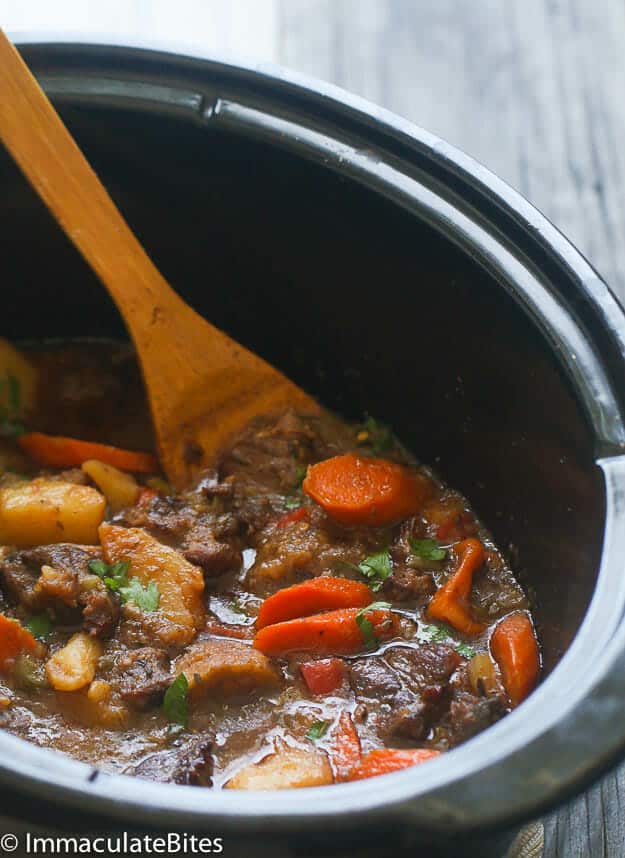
column 474, row 785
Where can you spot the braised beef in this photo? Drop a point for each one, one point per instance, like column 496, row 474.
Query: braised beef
column 143, row 675
column 57, row 578
column 189, row 763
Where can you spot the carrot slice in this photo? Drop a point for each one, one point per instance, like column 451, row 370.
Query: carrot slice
column 515, row 649
column 450, row 603
column 360, row 490
column 14, row 639
column 241, row 633
column 323, row 676
column 346, row 751
column 55, row 451
column 310, row 597
column 385, row 760
column 332, row 633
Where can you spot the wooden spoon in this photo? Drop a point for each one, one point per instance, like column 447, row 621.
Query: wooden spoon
column 202, row 386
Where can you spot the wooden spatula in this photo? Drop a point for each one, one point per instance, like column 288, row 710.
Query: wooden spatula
column 202, row 386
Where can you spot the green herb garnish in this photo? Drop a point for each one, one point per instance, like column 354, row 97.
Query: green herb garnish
column 428, row 549
column 238, row 608
column 366, row 626
column 115, row 576
column 40, row 626
column 440, row 634
column 175, row 701
column 146, row 598
column 376, row 435
column 10, row 406
column 317, row 730
column 377, row 568
column 465, row 650
column 292, row 502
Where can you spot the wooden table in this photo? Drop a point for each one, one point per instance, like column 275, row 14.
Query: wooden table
column 535, row 89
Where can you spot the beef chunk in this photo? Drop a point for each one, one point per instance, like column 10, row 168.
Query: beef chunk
column 100, row 612
column 426, row 669
column 163, row 516
column 468, row 715
column 143, row 676
column 408, row 689
column 407, row 584
column 189, row 763
column 214, row 558
column 21, row 572
column 372, row 677
column 57, row 578
column 412, row 577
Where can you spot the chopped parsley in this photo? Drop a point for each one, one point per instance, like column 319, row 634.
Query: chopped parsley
column 115, row 576
column 292, row 502
column 376, row 435
column 239, row 608
column 366, row 626
column 317, row 730
column 440, row 634
column 465, row 650
column 175, row 702
column 10, row 406
column 428, row 549
column 146, row 598
column 376, row 568
column 40, row 626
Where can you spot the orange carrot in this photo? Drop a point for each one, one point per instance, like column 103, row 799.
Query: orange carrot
column 223, row 630
column 323, row 676
column 385, row 760
column 298, row 514
column 55, row 451
column 332, row 633
column 515, row 649
column 450, row 603
column 14, row 639
column 359, row 490
column 346, row 751
column 311, row 597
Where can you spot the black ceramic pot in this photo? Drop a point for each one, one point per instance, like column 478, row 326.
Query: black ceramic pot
column 385, row 272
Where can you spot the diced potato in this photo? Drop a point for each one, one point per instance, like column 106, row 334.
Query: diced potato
column 73, row 666
column 225, row 669
column 43, row 511
column 287, row 768
column 180, row 583
column 121, row 490
column 13, row 363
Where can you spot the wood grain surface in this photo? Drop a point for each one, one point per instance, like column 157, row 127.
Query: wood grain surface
column 534, row 89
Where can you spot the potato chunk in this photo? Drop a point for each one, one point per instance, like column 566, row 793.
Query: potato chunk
column 225, row 669
column 181, row 610
column 74, row 665
column 120, row 490
column 44, row 511
column 287, row 768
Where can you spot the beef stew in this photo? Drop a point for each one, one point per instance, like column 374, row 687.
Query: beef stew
column 318, row 608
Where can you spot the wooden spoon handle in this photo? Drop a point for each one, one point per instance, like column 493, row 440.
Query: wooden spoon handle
column 35, row 136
